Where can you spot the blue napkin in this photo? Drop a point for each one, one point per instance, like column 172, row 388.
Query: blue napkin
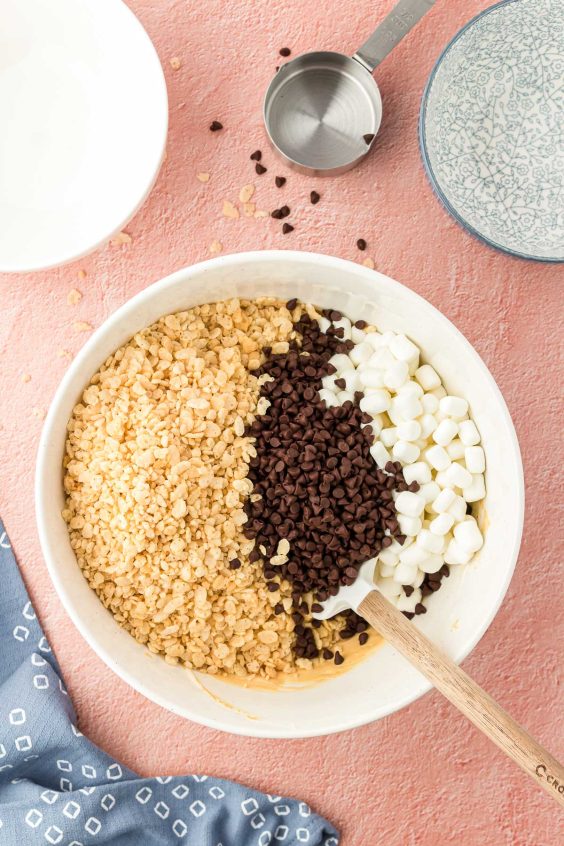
column 57, row 787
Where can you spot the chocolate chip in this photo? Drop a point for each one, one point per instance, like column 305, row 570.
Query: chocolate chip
column 290, row 305
column 338, row 658
column 234, row 564
column 314, row 197
column 420, row 608
column 319, row 486
column 408, row 590
column 285, row 51
column 284, row 211
column 340, row 383
column 361, row 244
column 279, row 181
column 362, row 638
column 260, row 169
column 256, row 156
column 327, row 654
column 215, row 126
column 277, row 214
column 272, row 586
column 278, row 608
column 286, row 228
column 360, row 324
column 369, row 138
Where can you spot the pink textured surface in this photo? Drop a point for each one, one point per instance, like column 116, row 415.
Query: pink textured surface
column 423, row 776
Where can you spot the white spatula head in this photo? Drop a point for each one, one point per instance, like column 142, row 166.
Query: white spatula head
column 349, row 596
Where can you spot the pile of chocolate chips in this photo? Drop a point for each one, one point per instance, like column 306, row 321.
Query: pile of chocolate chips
column 320, row 487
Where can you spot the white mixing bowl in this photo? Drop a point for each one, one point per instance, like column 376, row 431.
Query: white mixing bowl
column 459, row 613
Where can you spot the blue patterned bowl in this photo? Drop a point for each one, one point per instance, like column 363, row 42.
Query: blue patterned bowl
column 491, row 128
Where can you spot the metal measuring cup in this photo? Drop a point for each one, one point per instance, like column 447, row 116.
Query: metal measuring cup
column 323, row 110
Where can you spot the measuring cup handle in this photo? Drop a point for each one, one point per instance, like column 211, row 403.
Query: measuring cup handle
column 390, row 32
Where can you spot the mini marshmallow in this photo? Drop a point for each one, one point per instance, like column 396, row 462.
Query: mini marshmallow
column 360, row 353
column 403, row 349
column 328, row 397
column 381, row 359
column 408, row 603
column 428, row 425
column 455, row 450
column 445, row 432
column 469, row 435
column 389, row 436
column 394, row 415
column 453, row 407
column 437, row 457
column 374, row 339
column 476, row 490
column 386, row 570
column 387, row 338
column 376, row 424
column 324, row 324
column 352, row 382
column 427, row 377
column 370, row 377
column 458, row 509
column 439, row 392
column 429, row 491
column 406, row 452
column 441, row 480
column 432, row 564
column 430, row 542
column 458, row 476
column 455, row 554
column 328, row 382
column 444, row 500
column 345, row 396
column 474, row 458
column 409, row 525
column 396, row 375
column 389, row 588
column 388, row 557
column 341, row 362
column 411, row 389
column 418, row 581
column 468, row 536
column 430, row 403
column 409, row 430
column 408, row 407
column 357, row 335
column 419, row 472
column 410, row 504
column 405, row 573
column 345, row 324
column 380, row 454
column 376, row 402
column 442, row 524
column 412, row 555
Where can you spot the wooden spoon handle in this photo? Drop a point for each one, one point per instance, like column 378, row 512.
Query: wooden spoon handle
column 464, row 693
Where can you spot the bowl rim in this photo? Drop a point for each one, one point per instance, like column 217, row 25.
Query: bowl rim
column 52, row 422
column 148, row 184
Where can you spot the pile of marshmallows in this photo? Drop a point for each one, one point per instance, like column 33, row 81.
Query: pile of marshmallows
column 417, row 423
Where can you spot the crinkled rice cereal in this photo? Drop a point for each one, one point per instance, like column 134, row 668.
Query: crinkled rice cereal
column 155, row 480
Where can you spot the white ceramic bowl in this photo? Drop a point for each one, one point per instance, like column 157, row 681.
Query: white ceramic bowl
column 85, row 114
column 459, row 613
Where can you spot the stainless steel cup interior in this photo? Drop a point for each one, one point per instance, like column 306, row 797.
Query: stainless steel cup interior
column 320, row 106
column 317, row 109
